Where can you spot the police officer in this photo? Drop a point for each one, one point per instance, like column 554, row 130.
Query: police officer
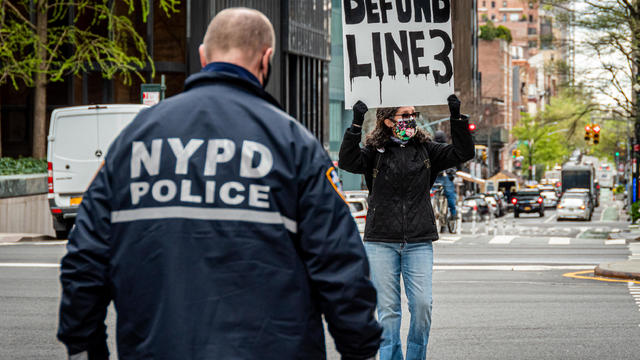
column 217, row 227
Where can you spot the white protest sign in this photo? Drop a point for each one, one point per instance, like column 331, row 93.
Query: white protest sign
column 397, row 52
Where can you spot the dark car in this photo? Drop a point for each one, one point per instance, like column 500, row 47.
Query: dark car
column 477, row 203
column 528, row 201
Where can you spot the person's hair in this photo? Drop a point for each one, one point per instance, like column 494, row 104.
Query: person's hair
column 379, row 136
column 244, row 29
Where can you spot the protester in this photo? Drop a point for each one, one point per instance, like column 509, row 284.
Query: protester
column 217, row 227
column 445, row 178
column 400, row 164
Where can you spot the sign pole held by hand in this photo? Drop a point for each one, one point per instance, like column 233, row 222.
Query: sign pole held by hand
column 397, row 53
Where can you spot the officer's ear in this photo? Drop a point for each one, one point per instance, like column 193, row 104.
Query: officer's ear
column 203, row 59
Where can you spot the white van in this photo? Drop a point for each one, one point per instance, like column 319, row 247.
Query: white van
column 78, row 140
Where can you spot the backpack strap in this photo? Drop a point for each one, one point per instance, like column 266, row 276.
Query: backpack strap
column 377, row 168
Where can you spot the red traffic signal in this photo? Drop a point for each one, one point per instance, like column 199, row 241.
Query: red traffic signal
column 587, row 128
column 472, row 127
column 596, row 128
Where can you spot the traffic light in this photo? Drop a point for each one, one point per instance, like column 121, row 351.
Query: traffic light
column 518, row 153
column 596, row 134
column 472, row 127
column 617, row 153
column 587, row 133
column 484, row 156
column 514, row 153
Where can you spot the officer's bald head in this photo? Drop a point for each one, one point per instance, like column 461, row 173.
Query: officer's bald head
column 240, row 36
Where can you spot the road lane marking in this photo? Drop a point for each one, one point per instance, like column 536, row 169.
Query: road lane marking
column 449, row 239
column 29, row 265
column 502, row 239
column 559, row 241
column 615, row 242
column 578, row 275
column 514, row 267
column 549, row 219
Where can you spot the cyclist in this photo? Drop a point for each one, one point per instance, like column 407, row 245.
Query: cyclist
column 445, row 178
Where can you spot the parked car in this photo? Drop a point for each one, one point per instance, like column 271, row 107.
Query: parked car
column 358, row 205
column 78, row 140
column 358, row 208
column 550, row 198
column 501, row 208
column 476, row 202
column 527, row 201
column 574, row 206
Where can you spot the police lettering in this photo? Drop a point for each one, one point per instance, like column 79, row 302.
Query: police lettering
column 256, row 161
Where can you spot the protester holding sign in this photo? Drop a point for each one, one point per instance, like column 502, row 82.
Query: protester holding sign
column 400, row 163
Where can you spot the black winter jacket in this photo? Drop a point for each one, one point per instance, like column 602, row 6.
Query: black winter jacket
column 399, row 202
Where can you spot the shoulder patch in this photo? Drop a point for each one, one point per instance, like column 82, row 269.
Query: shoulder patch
column 334, row 180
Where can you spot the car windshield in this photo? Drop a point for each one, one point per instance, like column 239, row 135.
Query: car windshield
column 527, row 194
column 355, row 206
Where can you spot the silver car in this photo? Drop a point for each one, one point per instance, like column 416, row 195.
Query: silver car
column 550, row 199
column 574, row 207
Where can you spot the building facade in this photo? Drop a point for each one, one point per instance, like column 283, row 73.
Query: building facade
column 300, row 75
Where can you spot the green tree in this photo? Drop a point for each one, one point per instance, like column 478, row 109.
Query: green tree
column 38, row 45
column 490, row 32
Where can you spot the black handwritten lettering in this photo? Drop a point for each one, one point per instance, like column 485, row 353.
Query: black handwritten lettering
column 385, row 6
column 402, row 52
column 441, row 14
column 443, row 57
column 422, row 9
column 377, row 59
column 404, row 12
column 417, row 53
column 372, row 17
column 353, row 15
column 355, row 69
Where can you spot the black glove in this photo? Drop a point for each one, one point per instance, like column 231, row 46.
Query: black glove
column 359, row 109
column 454, row 106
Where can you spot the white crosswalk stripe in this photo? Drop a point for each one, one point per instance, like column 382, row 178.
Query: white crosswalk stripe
column 502, row 239
column 559, row 241
column 449, row 239
column 615, row 242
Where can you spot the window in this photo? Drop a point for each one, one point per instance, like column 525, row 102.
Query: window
column 532, row 31
column 504, row 18
column 533, row 44
column 514, row 17
column 530, row 18
column 530, row 4
column 493, row 17
column 504, row 4
column 493, row 4
column 484, row 4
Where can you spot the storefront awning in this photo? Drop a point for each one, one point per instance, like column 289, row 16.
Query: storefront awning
column 467, row 177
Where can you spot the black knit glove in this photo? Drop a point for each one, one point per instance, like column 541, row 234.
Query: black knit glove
column 359, row 109
column 454, row 106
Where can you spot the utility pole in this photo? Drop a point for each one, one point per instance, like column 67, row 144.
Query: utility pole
column 636, row 96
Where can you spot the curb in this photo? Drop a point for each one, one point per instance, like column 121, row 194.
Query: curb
column 600, row 271
column 18, row 238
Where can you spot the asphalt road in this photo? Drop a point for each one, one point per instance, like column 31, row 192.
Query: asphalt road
column 495, row 297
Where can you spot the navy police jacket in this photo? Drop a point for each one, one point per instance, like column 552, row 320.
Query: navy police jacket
column 216, row 228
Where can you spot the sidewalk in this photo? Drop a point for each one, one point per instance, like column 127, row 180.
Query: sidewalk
column 629, row 269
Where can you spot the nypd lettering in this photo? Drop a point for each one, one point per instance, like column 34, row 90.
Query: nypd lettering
column 255, row 159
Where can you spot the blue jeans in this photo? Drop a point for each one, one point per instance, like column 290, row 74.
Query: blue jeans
column 415, row 263
column 449, row 192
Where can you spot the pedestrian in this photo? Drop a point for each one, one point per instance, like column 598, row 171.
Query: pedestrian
column 217, row 227
column 400, row 164
column 445, row 178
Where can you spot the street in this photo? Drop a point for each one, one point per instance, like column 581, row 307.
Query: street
column 499, row 296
